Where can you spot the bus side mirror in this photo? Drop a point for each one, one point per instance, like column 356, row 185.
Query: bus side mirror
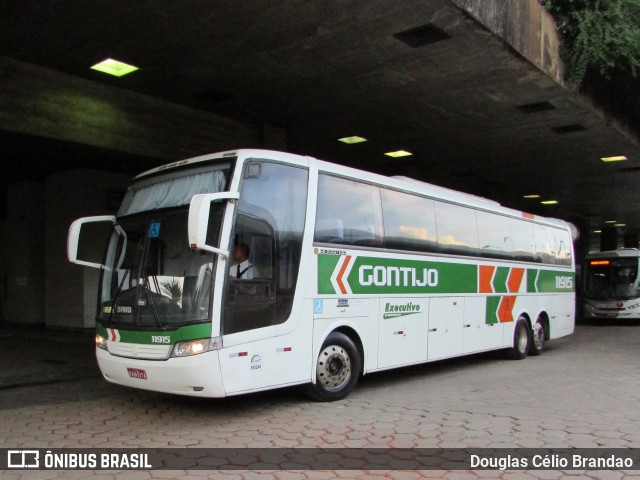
column 199, row 220
column 73, row 238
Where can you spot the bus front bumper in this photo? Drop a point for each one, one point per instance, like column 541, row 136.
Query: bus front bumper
column 590, row 311
column 196, row 375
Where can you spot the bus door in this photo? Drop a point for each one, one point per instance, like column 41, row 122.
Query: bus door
column 258, row 306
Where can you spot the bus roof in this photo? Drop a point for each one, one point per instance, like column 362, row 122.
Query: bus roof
column 397, row 182
column 621, row 252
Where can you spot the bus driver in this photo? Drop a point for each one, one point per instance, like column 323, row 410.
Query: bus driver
column 242, row 269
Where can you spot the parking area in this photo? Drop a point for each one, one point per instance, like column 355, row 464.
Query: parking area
column 584, row 391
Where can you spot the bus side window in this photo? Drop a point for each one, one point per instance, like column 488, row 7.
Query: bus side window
column 348, row 212
column 523, row 243
column 563, row 246
column 403, row 228
column 493, row 233
column 545, row 249
column 457, row 229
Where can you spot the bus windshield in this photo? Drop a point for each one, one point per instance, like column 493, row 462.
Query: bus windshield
column 612, row 278
column 152, row 278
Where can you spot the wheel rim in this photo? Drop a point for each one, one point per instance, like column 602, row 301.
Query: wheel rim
column 538, row 336
column 333, row 368
column 522, row 341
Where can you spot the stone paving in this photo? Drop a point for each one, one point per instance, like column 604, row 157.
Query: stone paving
column 584, row 391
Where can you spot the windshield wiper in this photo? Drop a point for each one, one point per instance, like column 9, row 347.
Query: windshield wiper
column 154, row 310
column 116, row 297
column 145, row 282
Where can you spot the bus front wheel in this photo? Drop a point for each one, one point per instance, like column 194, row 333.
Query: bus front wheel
column 337, row 369
column 521, row 340
column 538, row 335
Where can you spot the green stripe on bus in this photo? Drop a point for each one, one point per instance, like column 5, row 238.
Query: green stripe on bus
column 500, row 279
column 554, row 281
column 146, row 337
column 532, row 273
column 326, row 266
column 491, row 316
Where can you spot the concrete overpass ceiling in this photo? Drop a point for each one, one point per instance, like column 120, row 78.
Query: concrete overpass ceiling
column 475, row 114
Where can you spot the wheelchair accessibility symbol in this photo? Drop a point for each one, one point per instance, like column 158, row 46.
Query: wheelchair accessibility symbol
column 318, row 306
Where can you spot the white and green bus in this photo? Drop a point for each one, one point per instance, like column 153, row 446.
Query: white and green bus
column 611, row 288
column 352, row 273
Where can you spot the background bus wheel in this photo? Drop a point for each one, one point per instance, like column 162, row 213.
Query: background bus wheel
column 521, row 340
column 537, row 338
column 337, row 369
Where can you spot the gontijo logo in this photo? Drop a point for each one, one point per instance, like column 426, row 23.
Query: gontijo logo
column 352, row 274
column 382, row 276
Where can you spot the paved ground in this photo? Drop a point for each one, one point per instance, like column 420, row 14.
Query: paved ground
column 584, row 391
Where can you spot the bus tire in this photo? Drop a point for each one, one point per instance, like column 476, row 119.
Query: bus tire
column 337, row 369
column 521, row 340
column 538, row 334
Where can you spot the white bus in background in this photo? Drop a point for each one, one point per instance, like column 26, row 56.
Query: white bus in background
column 611, row 287
column 353, row 273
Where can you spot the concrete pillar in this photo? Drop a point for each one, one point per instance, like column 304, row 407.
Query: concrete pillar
column 608, row 239
column 631, row 240
column 22, row 254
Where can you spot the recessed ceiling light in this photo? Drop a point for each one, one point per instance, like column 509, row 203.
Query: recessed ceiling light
column 114, row 67
column 398, row 153
column 535, row 107
column 531, row 196
column 618, row 158
column 549, row 202
column 571, row 128
column 421, row 36
column 610, row 221
column 352, row 140
column 620, row 225
column 597, row 231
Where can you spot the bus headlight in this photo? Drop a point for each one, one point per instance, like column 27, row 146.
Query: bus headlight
column 101, row 342
column 634, row 306
column 195, row 347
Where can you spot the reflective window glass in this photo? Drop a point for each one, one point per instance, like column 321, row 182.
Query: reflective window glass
column 409, row 222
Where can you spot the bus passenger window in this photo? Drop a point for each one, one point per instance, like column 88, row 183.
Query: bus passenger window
column 348, row 213
column 523, row 243
column 409, row 222
column 545, row 250
column 493, row 233
column 457, row 229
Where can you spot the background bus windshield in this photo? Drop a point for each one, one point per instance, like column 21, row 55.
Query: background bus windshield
column 612, row 278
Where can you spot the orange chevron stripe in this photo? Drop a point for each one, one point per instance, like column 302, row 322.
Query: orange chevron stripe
column 505, row 309
column 515, row 280
column 343, row 290
column 486, row 274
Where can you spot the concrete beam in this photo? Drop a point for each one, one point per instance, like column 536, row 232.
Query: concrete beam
column 526, row 26
column 46, row 103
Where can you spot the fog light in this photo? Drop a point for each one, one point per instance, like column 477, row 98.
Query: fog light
column 101, row 342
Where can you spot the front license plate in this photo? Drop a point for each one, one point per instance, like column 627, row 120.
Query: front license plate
column 137, row 373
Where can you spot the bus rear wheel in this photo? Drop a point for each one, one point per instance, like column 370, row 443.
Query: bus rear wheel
column 538, row 334
column 337, row 369
column 521, row 340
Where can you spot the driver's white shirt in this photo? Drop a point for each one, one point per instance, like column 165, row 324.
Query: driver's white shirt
column 245, row 267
